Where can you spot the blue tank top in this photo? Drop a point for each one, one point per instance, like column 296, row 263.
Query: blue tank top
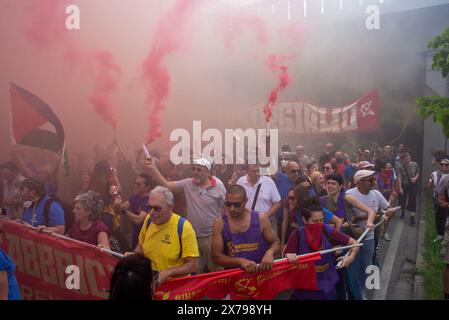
column 249, row 245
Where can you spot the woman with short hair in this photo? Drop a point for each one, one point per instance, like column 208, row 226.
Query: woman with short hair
column 88, row 227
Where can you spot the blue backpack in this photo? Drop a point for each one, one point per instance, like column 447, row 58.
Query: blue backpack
column 180, row 228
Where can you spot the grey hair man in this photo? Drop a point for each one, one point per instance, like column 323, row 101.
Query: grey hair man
column 205, row 196
column 167, row 239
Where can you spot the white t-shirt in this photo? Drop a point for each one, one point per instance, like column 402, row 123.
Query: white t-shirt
column 374, row 200
column 268, row 194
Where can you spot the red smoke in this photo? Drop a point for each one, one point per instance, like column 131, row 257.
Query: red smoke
column 46, row 22
column 46, row 28
column 284, row 79
column 235, row 25
column 106, row 83
column 166, row 41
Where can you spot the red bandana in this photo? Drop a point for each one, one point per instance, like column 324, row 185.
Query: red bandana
column 313, row 235
column 386, row 175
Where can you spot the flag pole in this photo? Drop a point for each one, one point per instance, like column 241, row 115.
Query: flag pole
column 360, row 239
column 302, row 256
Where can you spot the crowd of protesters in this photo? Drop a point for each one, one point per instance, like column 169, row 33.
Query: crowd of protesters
column 202, row 217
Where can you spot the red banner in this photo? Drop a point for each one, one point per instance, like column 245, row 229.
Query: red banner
column 42, row 260
column 304, row 118
column 242, row 285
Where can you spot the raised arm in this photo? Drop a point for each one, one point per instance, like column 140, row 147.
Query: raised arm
column 151, row 168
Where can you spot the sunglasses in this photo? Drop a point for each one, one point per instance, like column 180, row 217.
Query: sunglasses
column 295, row 171
column 155, row 208
column 235, row 204
column 444, row 164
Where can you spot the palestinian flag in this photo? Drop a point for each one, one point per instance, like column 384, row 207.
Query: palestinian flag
column 28, row 114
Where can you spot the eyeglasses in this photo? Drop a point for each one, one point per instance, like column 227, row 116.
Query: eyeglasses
column 155, row 208
column 291, row 198
column 235, row 204
column 444, row 164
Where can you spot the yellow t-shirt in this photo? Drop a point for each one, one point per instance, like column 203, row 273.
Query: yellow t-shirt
column 161, row 243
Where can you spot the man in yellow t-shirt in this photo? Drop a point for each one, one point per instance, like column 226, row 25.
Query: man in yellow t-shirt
column 159, row 239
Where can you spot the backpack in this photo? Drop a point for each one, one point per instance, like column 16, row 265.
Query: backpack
column 69, row 219
column 117, row 239
column 180, row 229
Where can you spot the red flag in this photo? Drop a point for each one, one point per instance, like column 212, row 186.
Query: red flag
column 242, row 285
column 368, row 111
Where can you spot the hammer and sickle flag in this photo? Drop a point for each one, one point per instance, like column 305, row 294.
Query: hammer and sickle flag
column 28, row 114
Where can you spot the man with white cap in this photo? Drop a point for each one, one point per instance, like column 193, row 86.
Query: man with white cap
column 364, row 192
column 365, row 165
column 205, row 197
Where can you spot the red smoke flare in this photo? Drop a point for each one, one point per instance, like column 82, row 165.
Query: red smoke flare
column 46, row 29
column 284, row 79
column 106, row 83
column 166, row 41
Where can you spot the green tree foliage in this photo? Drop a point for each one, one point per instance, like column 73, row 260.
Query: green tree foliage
column 438, row 107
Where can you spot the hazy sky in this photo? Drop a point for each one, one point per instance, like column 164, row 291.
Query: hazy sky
column 215, row 61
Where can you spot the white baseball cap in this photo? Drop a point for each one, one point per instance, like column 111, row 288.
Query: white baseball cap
column 362, row 174
column 203, row 162
column 365, row 165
